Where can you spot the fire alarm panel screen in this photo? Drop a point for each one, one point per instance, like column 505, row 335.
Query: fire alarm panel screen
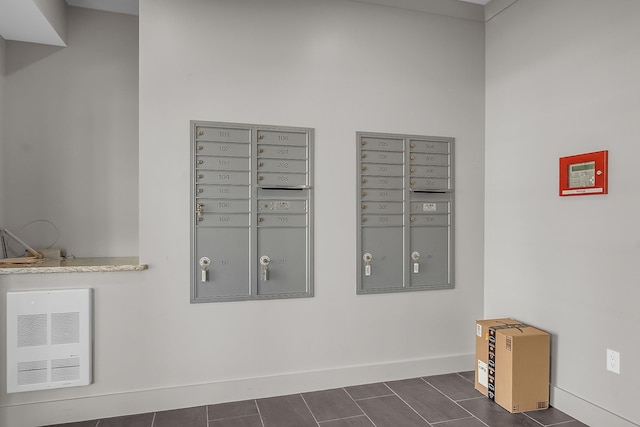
column 582, row 175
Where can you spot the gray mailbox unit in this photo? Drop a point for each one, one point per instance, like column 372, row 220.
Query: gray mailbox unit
column 405, row 213
column 252, row 212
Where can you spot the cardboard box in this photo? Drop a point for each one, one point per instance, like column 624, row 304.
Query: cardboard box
column 482, row 349
column 513, row 364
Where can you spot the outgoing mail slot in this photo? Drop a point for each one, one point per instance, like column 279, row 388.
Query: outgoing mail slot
column 429, row 184
column 224, row 220
column 222, row 149
column 429, row 171
column 282, row 165
column 223, row 191
column 381, row 182
column 282, row 206
column 381, row 195
column 222, row 163
column 282, row 220
column 281, row 152
column 222, row 177
column 266, row 179
column 429, row 159
column 430, row 220
column 223, row 134
column 382, row 207
column 428, row 146
column 230, row 206
column 382, row 220
column 429, row 207
column 383, row 144
column 282, row 138
column 381, row 169
column 382, row 157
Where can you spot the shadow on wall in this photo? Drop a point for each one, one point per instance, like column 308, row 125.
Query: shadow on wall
column 29, row 53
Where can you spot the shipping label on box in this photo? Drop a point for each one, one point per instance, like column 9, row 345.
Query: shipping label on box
column 483, row 374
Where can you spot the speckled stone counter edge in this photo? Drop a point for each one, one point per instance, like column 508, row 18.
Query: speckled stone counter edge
column 78, row 265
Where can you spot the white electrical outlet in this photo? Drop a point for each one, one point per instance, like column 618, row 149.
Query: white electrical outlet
column 613, row 361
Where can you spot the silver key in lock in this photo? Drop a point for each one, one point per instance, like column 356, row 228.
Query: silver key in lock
column 264, row 261
column 367, row 263
column 415, row 256
column 204, row 262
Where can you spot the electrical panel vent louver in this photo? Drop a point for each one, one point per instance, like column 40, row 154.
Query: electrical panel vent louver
column 49, row 339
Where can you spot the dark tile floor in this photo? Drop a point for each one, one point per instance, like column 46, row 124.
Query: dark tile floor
column 439, row 401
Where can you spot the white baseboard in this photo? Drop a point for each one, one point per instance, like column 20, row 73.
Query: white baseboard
column 585, row 411
column 93, row 407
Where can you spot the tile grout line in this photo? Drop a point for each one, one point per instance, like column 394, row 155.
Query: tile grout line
column 234, row 417
column 372, row 397
column 255, row 402
column 448, row 421
column 309, row 409
column 360, row 407
column 394, row 392
column 460, row 375
column 532, row 419
column 465, row 378
column 343, row 418
column 563, row 423
column 454, row 419
column 461, row 407
column 153, row 420
column 471, row 398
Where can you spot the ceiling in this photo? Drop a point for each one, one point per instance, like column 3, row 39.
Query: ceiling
column 44, row 21
column 131, row 6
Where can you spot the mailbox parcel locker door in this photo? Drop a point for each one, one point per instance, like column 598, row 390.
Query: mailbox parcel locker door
column 385, row 244
column 288, row 266
column 432, row 243
column 228, row 274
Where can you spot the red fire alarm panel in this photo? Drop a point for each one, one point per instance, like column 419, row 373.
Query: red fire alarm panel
column 584, row 174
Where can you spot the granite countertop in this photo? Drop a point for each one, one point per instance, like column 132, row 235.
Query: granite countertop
column 77, row 265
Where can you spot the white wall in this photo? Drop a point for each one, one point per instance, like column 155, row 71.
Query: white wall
column 71, row 137
column 339, row 67
column 562, row 79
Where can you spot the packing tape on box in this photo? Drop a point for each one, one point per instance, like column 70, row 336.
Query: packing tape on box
column 491, row 393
